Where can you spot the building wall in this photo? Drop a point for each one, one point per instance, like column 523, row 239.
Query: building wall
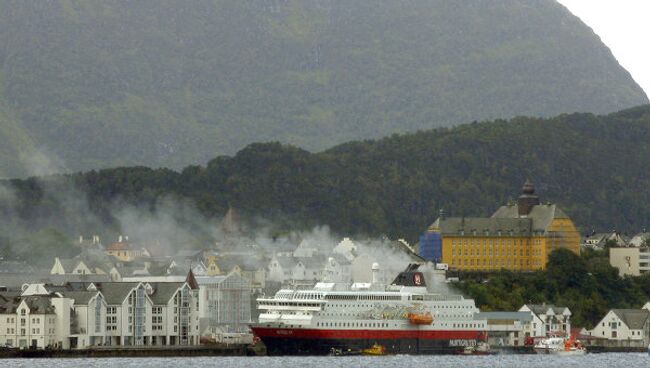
column 476, row 252
column 626, row 260
column 431, row 246
column 562, row 234
column 612, row 328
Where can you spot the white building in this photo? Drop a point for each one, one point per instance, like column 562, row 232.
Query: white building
column 639, row 240
column 280, row 268
column 81, row 315
column 624, row 327
column 548, row 320
column 507, row 328
column 225, row 303
column 346, row 248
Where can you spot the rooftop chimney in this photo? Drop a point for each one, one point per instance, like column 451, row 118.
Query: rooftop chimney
column 375, row 273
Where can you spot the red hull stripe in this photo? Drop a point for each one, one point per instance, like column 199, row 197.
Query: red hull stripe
column 300, row 333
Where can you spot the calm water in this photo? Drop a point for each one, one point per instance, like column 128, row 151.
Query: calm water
column 629, row 360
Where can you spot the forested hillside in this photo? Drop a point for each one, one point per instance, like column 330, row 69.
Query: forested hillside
column 89, row 84
column 594, row 167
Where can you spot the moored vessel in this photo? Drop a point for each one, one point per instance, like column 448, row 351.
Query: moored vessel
column 560, row 346
column 403, row 318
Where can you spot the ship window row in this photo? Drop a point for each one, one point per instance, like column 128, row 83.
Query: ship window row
column 289, row 304
column 362, row 297
column 309, row 296
column 467, row 325
column 351, row 324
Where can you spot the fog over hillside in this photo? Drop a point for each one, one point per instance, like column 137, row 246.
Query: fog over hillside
column 93, row 84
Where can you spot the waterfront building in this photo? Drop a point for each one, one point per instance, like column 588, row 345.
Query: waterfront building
column 508, row 328
column 79, row 315
column 518, row 236
column 548, row 320
column 224, row 303
column 624, row 327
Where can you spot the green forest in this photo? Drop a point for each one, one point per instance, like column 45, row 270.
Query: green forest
column 89, row 84
column 587, row 284
column 594, row 167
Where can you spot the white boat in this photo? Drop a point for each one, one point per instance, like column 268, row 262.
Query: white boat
column 560, row 346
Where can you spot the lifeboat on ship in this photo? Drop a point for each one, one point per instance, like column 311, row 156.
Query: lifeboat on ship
column 420, row 318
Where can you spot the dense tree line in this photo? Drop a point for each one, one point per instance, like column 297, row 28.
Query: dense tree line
column 594, row 167
column 587, row 284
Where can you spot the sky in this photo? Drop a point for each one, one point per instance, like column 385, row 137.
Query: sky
column 623, row 25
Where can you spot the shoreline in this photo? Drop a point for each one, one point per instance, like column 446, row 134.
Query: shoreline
column 148, row 352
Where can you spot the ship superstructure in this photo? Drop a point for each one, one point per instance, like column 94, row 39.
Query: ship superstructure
column 403, row 317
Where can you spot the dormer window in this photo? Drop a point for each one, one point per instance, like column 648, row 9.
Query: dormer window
column 22, row 312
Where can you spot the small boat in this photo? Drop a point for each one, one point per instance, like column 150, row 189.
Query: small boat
column 343, row 352
column 560, row 346
column 482, row 348
column 420, row 318
column 375, row 349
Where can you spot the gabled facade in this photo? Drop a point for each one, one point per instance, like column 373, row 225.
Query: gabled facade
column 280, row 268
column 624, row 325
column 553, row 321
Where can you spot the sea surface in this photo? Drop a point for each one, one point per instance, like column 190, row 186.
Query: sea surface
column 628, row 360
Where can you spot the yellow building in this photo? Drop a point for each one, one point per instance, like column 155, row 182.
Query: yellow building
column 124, row 252
column 516, row 237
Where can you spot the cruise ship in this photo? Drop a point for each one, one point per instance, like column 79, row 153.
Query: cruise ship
column 403, row 317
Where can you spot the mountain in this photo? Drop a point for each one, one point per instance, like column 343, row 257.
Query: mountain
column 594, row 167
column 88, row 84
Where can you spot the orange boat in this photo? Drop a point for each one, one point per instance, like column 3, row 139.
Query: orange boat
column 420, row 318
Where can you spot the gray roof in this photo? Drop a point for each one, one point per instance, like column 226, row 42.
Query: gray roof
column 68, row 264
column 163, row 291
column 635, row 319
column 116, row 292
column 540, row 308
column 9, row 300
column 541, row 214
column 312, row 263
column 286, row 262
column 456, row 225
column 39, row 304
column 520, row 316
column 80, row 297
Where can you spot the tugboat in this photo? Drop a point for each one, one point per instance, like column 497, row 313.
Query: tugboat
column 340, row 319
column 375, row 349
